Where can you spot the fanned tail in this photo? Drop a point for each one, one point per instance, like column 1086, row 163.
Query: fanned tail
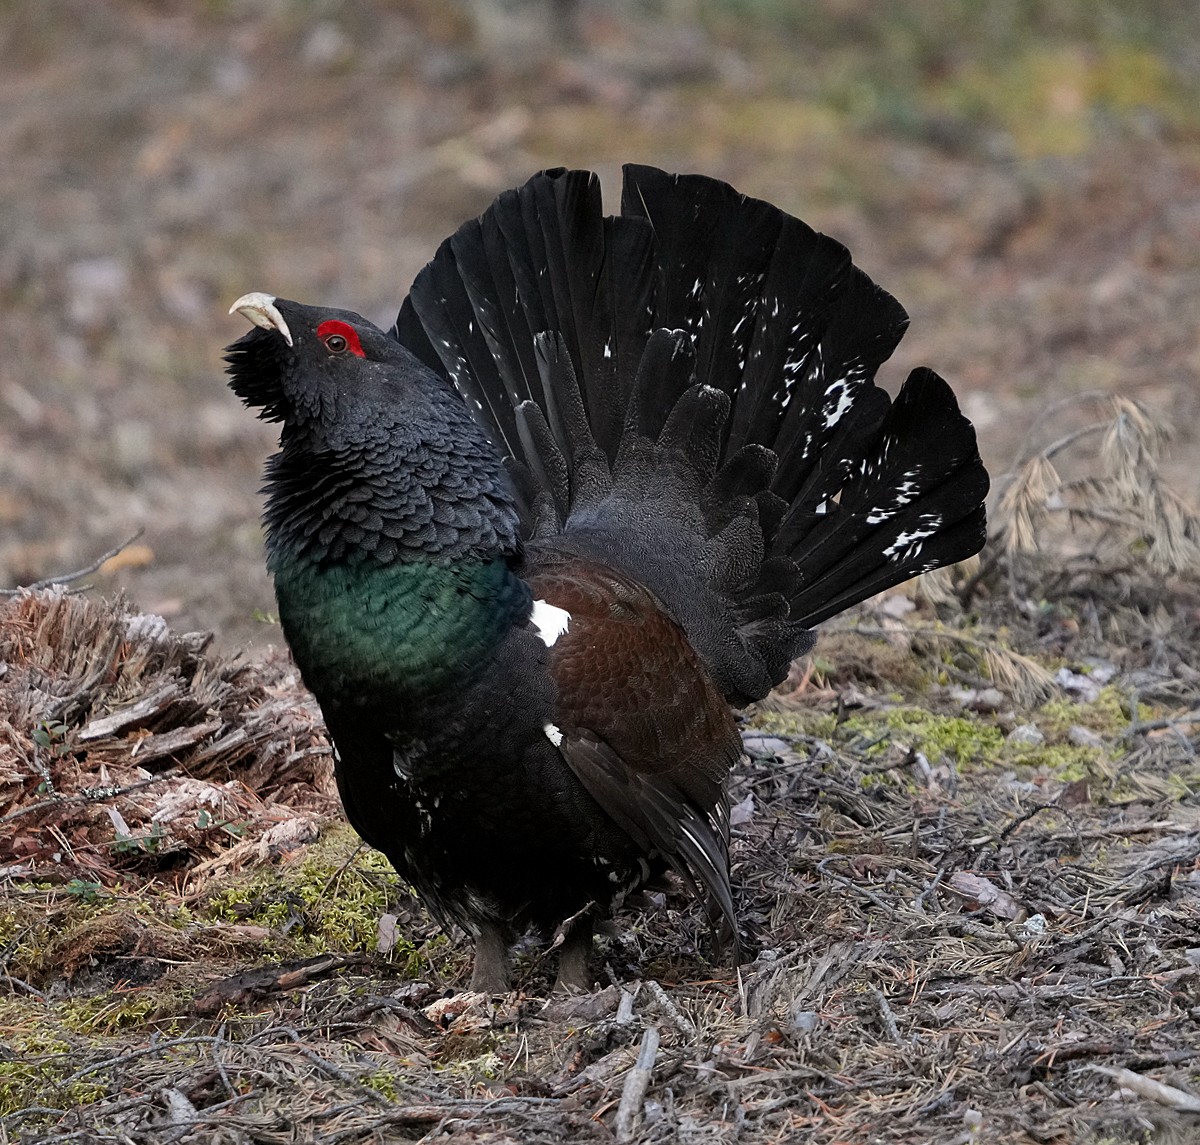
column 686, row 393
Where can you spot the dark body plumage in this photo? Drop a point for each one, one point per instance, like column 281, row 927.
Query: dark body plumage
column 663, row 428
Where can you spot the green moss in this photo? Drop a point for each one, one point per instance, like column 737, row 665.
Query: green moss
column 472, row 1058
column 114, row 1011
column 24, row 1084
column 969, row 740
column 35, row 1073
column 384, row 1082
column 892, row 777
column 1182, row 785
column 1108, row 714
column 963, row 739
column 12, row 923
column 330, row 899
column 797, row 722
column 485, row 1067
column 1065, row 761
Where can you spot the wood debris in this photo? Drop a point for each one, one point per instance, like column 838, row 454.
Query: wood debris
column 126, row 748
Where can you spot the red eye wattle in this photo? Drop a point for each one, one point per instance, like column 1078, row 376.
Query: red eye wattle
column 339, row 337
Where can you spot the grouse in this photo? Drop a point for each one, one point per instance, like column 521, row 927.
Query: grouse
column 590, row 492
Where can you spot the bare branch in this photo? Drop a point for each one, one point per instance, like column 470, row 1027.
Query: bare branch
column 77, row 574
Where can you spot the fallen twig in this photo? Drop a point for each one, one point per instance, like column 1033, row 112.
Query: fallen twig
column 672, row 1012
column 68, row 577
column 886, row 1017
column 1147, row 1087
column 1138, row 727
column 625, row 1008
column 637, row 1082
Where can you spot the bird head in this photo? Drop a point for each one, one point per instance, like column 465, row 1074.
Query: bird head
column 378, row 453
column 311, row 366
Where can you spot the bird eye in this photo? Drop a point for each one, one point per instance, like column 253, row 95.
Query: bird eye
column 335, row 343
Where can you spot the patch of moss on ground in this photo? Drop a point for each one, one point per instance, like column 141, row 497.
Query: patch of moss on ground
column 969, row 740
column 484, row 1068
column 25, row 1083
column 796, row 722
column 329, row 899
column 384, row 1082
column 963, row 738
column 112, row 1011
column 1047, row 99
column 1107, row 715
column 51, row 931
column 35, row 1072
column 1065, row 761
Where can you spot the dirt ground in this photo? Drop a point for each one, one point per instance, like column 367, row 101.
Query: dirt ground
column 966, row 933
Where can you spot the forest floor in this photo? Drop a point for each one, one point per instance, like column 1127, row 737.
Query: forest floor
column 967, row 836
column 966, row 852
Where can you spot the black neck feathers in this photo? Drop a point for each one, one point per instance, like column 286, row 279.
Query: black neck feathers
column 428, row 487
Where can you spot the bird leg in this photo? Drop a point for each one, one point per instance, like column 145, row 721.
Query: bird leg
column 490, row 974
column 573, row 955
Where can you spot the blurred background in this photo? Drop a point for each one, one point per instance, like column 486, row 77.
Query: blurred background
column 1023, row 174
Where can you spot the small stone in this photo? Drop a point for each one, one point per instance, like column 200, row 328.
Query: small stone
column 97, row 291
column 742, row 812
column 1084, row 737
column 1010, row 782
column 897, row 606
column 805, row 1020
column 1085, row 687
column 764, row 747
column 327, row 47
column 387, row 933
column 979, row 699
column 583, row 1009
column 1026, row 733
column 1034, row 926
column 1100, row 671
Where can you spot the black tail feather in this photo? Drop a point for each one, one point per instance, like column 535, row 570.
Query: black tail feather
column 589, row 478
column 686, row 393
column 665, row 372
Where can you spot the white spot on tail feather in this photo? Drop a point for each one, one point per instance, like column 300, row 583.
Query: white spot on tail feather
column 550, row 621
column 845, row 399
column 905, row 492
column 908, row 545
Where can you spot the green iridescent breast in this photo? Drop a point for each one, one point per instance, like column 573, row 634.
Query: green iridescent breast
column 402, row 630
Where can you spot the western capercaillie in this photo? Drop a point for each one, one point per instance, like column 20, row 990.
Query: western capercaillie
column 596, row 485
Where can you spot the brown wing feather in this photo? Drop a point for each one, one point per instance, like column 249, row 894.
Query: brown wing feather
column 643, row 727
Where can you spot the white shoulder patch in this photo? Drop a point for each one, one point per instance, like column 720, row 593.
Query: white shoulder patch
column 553, row 734
column 550, row 621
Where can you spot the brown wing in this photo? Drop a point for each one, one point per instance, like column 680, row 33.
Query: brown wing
column 642, row 725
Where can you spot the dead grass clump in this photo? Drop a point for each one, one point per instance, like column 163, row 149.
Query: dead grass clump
column 1129, row 536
